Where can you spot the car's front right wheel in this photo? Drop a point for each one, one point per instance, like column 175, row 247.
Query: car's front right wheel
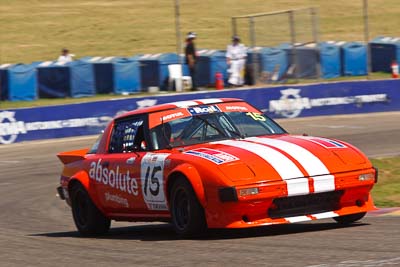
column 87, row 217
column 187, row 213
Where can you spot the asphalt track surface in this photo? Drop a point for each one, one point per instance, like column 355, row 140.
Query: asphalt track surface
column 36, row 228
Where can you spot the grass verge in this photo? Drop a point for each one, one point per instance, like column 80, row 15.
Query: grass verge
column 386, row 192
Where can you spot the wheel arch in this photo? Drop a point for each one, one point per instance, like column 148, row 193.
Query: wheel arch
column 190, row 173
column 82, row 178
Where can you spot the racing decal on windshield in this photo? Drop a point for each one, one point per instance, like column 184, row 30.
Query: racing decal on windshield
column 200, row 110
column 152, row 179
column 218, row 157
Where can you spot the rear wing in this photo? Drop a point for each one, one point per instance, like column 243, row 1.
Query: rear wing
column 73, row 155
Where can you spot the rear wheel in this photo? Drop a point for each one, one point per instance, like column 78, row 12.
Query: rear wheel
column 348, row 219
column 187, row 213
column 87, row 217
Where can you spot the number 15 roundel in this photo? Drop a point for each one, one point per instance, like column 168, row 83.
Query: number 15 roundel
column 151, row 176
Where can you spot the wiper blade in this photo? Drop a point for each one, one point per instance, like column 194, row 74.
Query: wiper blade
column 237, row 133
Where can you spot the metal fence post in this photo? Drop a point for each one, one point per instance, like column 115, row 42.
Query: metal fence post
column 315, row 33
column 253, row 45
column 293, row 40
column 366, row 35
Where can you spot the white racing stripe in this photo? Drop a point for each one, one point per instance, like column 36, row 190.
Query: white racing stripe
column 283, row 165
column 323, row 181
column 210, row 100
column 296, row 219
column 184, row 104
column 325, row 215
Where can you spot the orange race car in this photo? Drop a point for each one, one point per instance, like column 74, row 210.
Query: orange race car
column 216, row 163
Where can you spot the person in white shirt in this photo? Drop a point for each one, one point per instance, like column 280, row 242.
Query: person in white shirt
column 65, row 56
column 236, row 54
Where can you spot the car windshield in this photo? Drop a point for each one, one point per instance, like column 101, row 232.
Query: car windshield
column 216, row 126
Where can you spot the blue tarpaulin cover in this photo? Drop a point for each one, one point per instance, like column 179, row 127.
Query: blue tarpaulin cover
column 126, row 75
column 383, row 51
column 354, row 59
column 154, row 69
column 274, row 60
column 74, row 79
column 22, row 82
column 304, row 59
column 209, row 63
column 330, row 56
column 115, row 74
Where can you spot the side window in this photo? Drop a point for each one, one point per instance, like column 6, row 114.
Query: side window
column 127, row 136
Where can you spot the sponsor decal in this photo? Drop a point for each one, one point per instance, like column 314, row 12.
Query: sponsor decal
column 236, row 108
column 113, row 178
column 291, row 104
column 203, row 110
column 152, row 179
column 116, row 199
column 172, row 116
column 216, row 156
column 327, row 143
column 10, row 128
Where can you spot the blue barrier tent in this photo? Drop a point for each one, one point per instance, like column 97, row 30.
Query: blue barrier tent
column 21, row 82
column 74, row 79
column 154, row 69
column 303, row 58
column 103, row 74
column 330, row 59
column 383, row 51
column 4, row 81
column 126, row 75
column 209, row 63
column 274, row 61
column 354, row 59
column 115, row 74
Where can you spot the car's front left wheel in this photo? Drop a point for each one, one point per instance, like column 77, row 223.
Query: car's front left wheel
column 87, row 217
column 348, row 219
column 187, row 213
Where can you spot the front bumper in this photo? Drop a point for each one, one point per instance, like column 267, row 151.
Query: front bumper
column 273, row 206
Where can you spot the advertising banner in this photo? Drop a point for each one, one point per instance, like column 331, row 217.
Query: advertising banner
column 277, row 102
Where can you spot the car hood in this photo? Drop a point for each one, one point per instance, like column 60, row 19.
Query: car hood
column 273, row 158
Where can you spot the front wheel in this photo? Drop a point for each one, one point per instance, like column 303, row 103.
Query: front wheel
column 87, row 217
column 187, row 213
column 348, row 219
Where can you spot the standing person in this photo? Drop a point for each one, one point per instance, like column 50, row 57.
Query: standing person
column 191, row 58
column 65, row 56
column 236, row 54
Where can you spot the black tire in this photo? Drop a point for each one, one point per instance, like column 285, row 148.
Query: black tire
column 187, row 214
column 348, row 219
column 87, row 217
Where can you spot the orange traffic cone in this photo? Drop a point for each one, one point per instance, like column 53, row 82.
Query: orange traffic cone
column 395, row 69
column 219, row 81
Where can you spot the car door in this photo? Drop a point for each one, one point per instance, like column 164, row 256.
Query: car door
column 119, row 190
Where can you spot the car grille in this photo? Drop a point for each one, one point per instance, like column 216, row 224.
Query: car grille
column 305, row 205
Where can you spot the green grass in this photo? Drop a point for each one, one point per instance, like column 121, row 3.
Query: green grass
column 386, row 192
column 36, row 30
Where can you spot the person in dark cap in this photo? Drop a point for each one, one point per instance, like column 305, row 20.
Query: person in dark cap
column 236, row 54
column 65, row 56
column 191, row 57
